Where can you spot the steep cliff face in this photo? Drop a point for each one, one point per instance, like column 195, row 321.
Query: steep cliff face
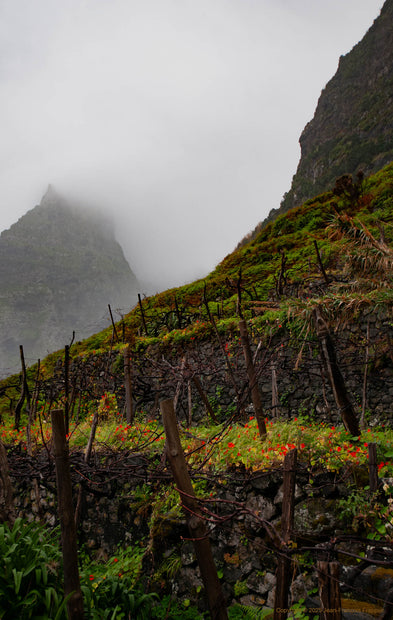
column 352, row 128
column 60, row 267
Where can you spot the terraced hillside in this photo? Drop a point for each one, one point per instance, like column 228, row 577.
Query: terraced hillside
column 333, row 254
column 314, row 291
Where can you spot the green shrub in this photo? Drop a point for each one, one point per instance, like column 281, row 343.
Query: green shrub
column 114, row 598
column 167, row 607
column 30, row 572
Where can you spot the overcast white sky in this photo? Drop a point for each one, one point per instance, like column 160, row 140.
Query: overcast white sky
column 181, row 117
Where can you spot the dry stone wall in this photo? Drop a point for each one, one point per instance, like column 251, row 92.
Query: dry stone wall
column 302, row 386
column 118, row 508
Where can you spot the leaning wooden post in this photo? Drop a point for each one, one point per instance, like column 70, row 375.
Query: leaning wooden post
column 320, row 263
column 66, row 388
column 329, row 590
column 336, row 379
column 114, row 330
column 335, row 596
column 142, row 314
column 365, row 373
column 204, row 398
column 195, row 522
column 252, row 378
column 189, row 398
column 25, row 390
column 220, row 343
column 7, row 509
column 86, row 458
column 28, row 403
column 283, row 574
column 275, row 401
column 179, row 321
column 128, row 384
column 66, row 516
column 180, row 382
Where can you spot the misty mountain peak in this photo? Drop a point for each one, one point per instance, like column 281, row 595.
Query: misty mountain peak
column 352, row 128
column 50, row 196
column 60, row 267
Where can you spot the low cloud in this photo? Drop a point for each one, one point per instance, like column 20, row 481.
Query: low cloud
column 180, row 118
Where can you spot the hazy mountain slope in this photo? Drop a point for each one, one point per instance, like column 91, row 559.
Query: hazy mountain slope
column 279, row 266
column 60, row 267
column 333, row 255
column 352, row 128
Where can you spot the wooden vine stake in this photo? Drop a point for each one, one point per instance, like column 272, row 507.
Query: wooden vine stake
column 66, row 516
column 336, row 379
column 320, row 263
column 25, row 395
column 204, row 398
column 66, row 388
column 283, row 574
column 189, row 399
column 128, row 384
column 329, row 590
column 365, row 373
column 195, row 522
column 86, row 458
column 7, row 509
column 196, row 381
column 142, row 314
column 275, row 400
column 252, row 378
column 114, row 330
column 221, row 345
column 180, row 382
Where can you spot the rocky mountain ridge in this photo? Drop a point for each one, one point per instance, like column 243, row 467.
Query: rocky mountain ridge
column 352, row 128
column 60, row 267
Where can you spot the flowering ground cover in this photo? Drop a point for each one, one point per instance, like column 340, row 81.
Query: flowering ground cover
column 215, row 449
column 226, row 445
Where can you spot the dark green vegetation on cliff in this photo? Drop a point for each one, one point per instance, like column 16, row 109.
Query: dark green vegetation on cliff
column 60, row 267
column 281, row 268
column 352, row 128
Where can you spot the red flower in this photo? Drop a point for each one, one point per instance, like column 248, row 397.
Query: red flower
column 231, row 445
